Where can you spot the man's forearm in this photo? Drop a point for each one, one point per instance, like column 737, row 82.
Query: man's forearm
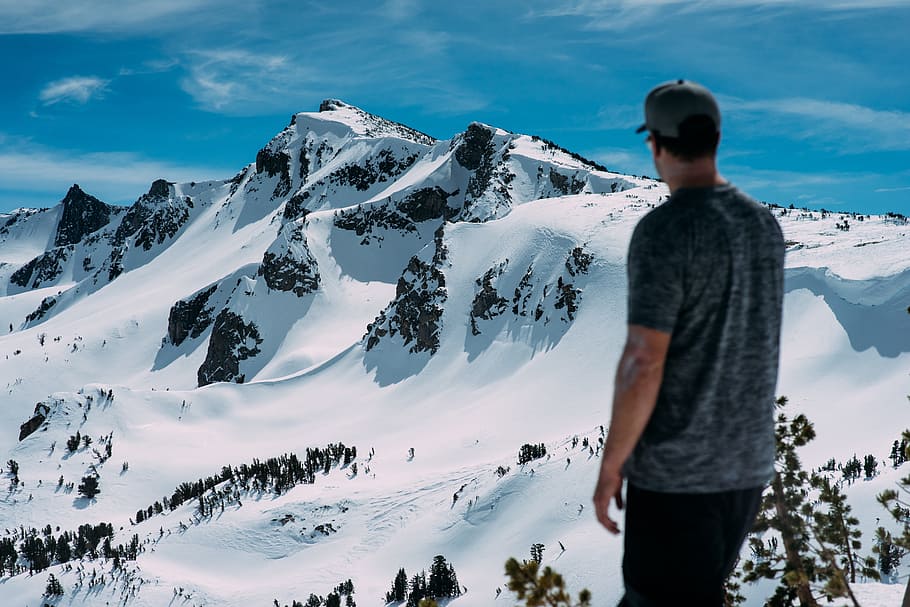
column 637, row 384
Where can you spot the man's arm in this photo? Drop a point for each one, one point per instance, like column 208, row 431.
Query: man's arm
column 638, row 378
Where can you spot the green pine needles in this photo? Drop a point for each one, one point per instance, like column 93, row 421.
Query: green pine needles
column 547, row 589
column 814, row 542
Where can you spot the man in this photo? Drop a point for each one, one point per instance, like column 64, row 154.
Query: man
column 692, row 427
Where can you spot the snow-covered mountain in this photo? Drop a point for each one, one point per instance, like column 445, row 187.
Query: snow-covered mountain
column 435, row 305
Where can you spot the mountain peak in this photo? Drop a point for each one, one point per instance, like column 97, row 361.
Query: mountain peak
column 82, row 214
column 160, row 189
column 329, row 105
column 74, row 192
column 359, row 121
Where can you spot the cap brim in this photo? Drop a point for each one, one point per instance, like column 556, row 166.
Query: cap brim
column 642, row 128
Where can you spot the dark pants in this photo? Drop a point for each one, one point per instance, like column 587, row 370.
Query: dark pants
column 680, row 547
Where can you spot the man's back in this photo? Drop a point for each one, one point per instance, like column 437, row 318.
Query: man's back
column 707, row 267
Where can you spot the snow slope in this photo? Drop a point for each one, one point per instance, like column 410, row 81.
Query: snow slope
column 463, row 299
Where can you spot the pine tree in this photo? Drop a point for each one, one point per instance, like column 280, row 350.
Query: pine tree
column 898, row 505
column 813, row 539
column 870, row 465
column 399, row 591
column 889, row 553
column 783, row 509
column 852, row 469
column 89, row 487
column 53, row 588
column 417, row 589
column 537, row 552
column 545, row 590
column 837, row 531
column 72, row 443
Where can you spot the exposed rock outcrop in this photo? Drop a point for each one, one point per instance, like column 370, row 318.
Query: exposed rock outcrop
column 275, row 162
column 364, row 174
column 154, row 218
column 42, row 269
column 289, row 265
column 579, row 261
column 190, row 317
column 530, row 299
column 488, row 303
column 415, row 315
column 363, row 220
column 566, row 184
column 232, row 341
column 80, row 215
column 46, row 304
column 428, row 203
column 29, row 427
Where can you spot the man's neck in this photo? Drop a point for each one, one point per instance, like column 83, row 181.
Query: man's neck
column 698, row 174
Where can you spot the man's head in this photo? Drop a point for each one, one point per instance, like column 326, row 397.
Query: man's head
column 683, row 121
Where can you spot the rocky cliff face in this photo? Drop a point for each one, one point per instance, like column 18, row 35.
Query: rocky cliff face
column 488, row 303
column 289, row 265
column 533, row 298
column 154, row 218
column 190, row 317
column 29, row 427
column 81, row 214
column 232, row 341
column 273, row 163
column 45, row 268
column 414, row 317
column 480, row 152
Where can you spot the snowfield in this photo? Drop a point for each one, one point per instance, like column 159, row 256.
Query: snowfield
column 525, row 286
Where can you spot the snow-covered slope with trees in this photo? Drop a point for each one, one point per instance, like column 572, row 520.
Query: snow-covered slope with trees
column 403, row 314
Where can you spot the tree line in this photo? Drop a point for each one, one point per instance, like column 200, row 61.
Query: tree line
column 42, row 549
column 275, row 475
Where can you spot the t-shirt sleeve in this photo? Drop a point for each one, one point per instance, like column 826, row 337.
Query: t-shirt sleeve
column 655, row 265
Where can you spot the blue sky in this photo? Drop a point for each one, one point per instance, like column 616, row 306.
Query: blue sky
column 113, row 94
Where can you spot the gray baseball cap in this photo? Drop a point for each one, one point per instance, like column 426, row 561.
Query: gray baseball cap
column 669, row 104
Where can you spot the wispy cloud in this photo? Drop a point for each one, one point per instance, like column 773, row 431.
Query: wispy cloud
column 112, row 176
column 854, row 127
column 749, row 178
column 77, row 89
column 620, row 15
column 152, row 66
column 595, row 8
column 52, row 16
column 399, row 10
column 899, row 189
column 237, row 81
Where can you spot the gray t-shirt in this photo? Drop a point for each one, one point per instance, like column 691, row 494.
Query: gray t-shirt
column 707, row 266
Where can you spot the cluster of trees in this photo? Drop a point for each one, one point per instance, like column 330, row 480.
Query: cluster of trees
column 899, row 451
column 815, row 541
column 41, row 549
column 530, row 452
column 442, row 583
column 890, row 549
column 342, row 592
column 276, row 475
